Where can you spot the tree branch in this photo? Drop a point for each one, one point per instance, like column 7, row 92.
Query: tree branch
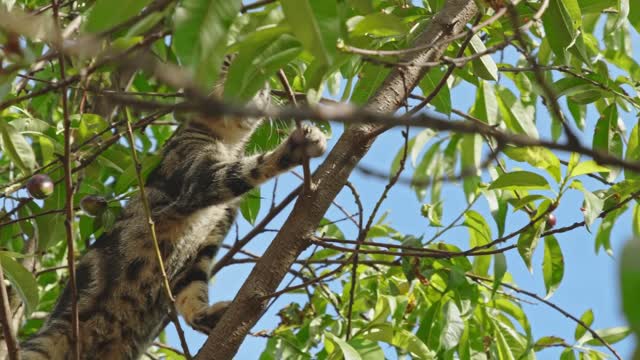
column 223, row 342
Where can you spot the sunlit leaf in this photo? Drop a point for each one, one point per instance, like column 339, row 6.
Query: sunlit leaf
column 106, row 14
column 16, row 146
column 347, row 350
column 603, row 235
column 499, row 270
column 562, row 19
column 520, row 180
column 22, row 280
column 538, row 157
column 379, row 24
column 200, row 33
column 453, row 326
column 552, row 265
column 400, row 338
column 610, row 335
column 587, row 319
column 442, row 100
column 630, row 283
column 528, row 242
column 305, row 26
column 250, row 205
column 479, row 235
column 484, row 66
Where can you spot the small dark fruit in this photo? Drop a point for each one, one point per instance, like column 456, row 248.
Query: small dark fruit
column 551, row 221
column 93, row 205
column 40, row 186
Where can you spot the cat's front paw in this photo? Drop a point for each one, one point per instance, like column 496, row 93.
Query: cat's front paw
column 307, row 141
column 207, row 319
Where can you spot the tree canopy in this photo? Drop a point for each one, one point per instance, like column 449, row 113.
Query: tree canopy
column 91, row 90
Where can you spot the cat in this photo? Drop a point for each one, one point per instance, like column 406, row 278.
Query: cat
column 193, row 194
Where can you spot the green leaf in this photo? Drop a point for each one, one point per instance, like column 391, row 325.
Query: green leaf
column 368, row 350
column 371, row 77
column 348, row 351
column 432, row 213
column 548, row 341
column 519, row 117
column 479, row 234
column 486, row 107
column 484, row 66
column 23, row 281
column 304, row 25
column 200, row 36
column 499, row 270
column 579, row 91
column 419, row 142
column 603, row 236
column 424, row 171
column 633, row 152
column 17, row 148
column 401, row 339
column 397, row 160
column 562, row 19
column 623, row 12
column 606, row 136
column 552, row 265
column 442, row 100
column 105, row 14
column 250, row 205
column 539, row 157
column 328, row 229
column 593, row 205
column 587, row 167
column 528, row 241
column 587, row 319
column 610, row 335
column 634, row 15
column 526, row 200
column 453, row 326
column 630, row 283
column 504, row 350
column 255, row 63
column 568, row 354
column 471, row 153
column 578, row 112
column 520, row 180
column 128, row 178
column 379, row 24
column 515, row 311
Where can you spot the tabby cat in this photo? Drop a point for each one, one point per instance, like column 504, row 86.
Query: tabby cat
column 194, row 195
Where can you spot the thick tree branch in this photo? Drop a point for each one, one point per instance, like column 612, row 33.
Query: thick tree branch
column 244, row 312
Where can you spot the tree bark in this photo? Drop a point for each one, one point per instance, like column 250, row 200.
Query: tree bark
column 223, row 342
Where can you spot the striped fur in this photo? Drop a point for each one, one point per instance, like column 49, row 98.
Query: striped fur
column 194, row 195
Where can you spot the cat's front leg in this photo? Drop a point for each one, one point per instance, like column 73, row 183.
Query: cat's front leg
column 212, row 182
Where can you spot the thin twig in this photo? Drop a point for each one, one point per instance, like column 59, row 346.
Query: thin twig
column 306, row 170
column 5, row 317
column 237, row 247
column 362, row 236
column 553, row 306
column 156, row 245
column 167, row 347
column 548, row 92
column 69, row 188
column 255, row 5
column 447, row 74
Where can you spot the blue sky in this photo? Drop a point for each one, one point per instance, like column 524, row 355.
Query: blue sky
column 590, row 280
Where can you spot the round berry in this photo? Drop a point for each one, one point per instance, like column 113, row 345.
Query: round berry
column 551, row 221
column 40, row 186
